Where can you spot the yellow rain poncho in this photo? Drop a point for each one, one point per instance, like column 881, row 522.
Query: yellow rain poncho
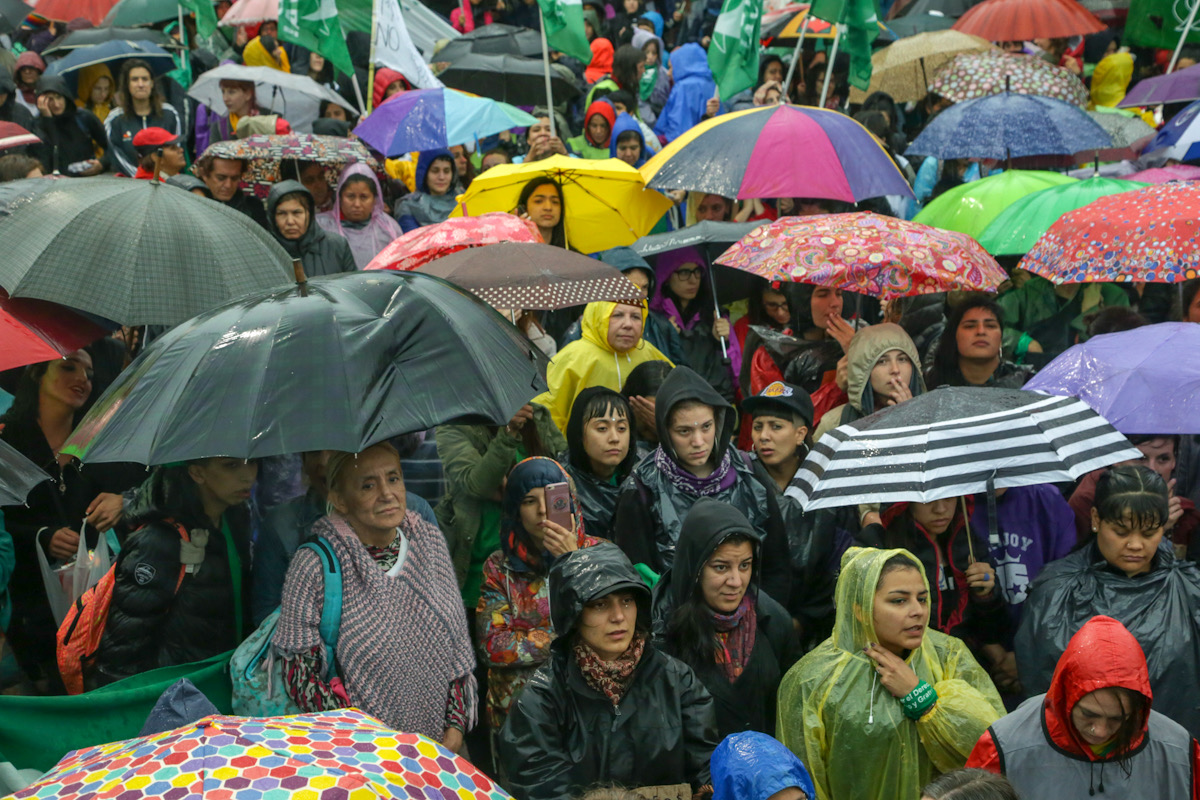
column 1111, row 80
column 850, row 732
column 591, row 361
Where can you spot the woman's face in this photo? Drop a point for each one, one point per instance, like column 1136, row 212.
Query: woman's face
column 1159, row 455
column 236, row 99
column 533, row 513
column 439, row 177
column 316, row 62
column 598, row 130
column 68, row 380
column 334, row 111
column 776, row 305
column 608, row 623
column 606, row 442
column 370, row 492
column 901, row 610
column 934, row 517
column 1099, row 715
column 358, row 201
column 224, row 481
column 631, row 6
column 712, row 207
column 624, row 328
column 685, row 282
column 776, row 439
column 461, row 158
column 773, row 72
column 101, row 90
column 28, row 76
column 651, row 50
column 141, row 83
column 544, row 206
column 978, row 335
column 55, row 103
column 1125, row 546
column 693, row 433
column 825, row 303
column 291, row 218
column 394, row 88
column 725, row 577
column 640, row 278
column 893, row 368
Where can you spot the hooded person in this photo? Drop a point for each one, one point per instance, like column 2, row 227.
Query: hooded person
column 885, row 703
column 626, row 134
column 610, row 347
column 69, row 135
column 437, row 190
column 608, row 705
column 755, row 766
column 598, row 124
column 1093, row 731
column 600, row 454
column 27, row 90
column 292, row 222
column 10, row 109
column 602, row 60
column 97, row 90
column 469, row 16
column 265, row 49
column 710, row 614
column 359, row 214
column 694, row 87
column 655, row 84
column 695, row 458
column 1111, row 80
column 388, row 83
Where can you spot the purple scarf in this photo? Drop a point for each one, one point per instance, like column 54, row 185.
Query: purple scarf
column 735, row 634
column 722, row 478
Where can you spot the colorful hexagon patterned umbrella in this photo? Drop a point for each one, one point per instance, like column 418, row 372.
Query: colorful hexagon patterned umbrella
column 336, row 755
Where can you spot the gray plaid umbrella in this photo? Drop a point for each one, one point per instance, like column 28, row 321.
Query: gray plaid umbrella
column 17, row 476
column 1123, row 130
column 136, row 252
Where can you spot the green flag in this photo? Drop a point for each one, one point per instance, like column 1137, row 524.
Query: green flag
column 733, row 52
column 206, row 16
column 563, row 23
column 315, row 24
column 1159, row 23
column 858, row 25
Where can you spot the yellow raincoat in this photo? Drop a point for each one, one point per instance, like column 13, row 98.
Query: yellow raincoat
column 850, row 732
column 255, row 55
column 1111, row 80
column 88, row 76
column 591, row 361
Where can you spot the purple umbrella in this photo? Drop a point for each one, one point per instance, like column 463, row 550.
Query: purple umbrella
column 1143, row 381
column 1178, row 87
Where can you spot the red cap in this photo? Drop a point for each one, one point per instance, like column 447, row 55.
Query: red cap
column 150, row 138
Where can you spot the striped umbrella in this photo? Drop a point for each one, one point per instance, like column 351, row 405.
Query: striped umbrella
column 957, row 441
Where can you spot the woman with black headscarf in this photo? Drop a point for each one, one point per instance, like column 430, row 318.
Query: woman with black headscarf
column 290, row 219
column 600, row 454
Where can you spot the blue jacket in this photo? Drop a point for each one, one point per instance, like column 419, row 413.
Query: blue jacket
column 694, row 85
column 754, row 766
column 419, row 207
column 624, row 124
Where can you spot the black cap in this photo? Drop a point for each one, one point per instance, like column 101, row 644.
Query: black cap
column 781, row 397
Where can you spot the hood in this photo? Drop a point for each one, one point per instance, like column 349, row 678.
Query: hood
column 425, row 159
column 602, row 60
column 590, row 15
column 30, row 59
column 1101, row 654
column 58, row 85
column 682, row 384
column 665, row 267
column 641, row 36
column 384, row 78
column 865, row 349
column 604, row 109
column 855, row 595
column 188, row 183
column 586, row 574
column 625, row 259
column 574, row 432
column 656, row 20
column 624, row 124
column 690, row 61
column 708, row 523
column 361, row 169
column 88, row 76
column 754, row 766
column 294, row 248
column 1111, row 79
column 594, row 324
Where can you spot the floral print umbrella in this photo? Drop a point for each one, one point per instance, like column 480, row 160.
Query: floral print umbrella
column 337, row 755
column 972, row 75
column 264, row 154
column 431, row 242
column 1151, row 234
column 865, row 253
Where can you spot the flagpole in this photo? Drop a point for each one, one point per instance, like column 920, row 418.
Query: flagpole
column 546, row 70
column 1187, row 28
column 837, row 39
column 371, row 66
column 787, row 83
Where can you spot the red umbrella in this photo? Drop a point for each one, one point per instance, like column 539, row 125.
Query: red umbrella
column 423, row 245
column 1021, row 20
column 13, row 135
column 67, row 10
column 36, row 330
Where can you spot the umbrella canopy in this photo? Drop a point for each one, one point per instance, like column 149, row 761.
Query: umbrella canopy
column 971, row 207
column 913, row 24
column 957, row 441
column 866, row 253
column 1138, row 380
column 66, row 10
column 116, row 50
column 1150, row 234
column 13, row 135
column 510, row 79
column 378, row 354
column 605, row 202
column 946, row 8
column 140, row 12
column 34, row 330
column 785, row 31
column 430, row 242
column 155, row 254
column 905, row 68
column 712, row 238
column 18, row 475
column 1009, row 126
column 1182, row 86
column 431, row 119
column 533, row 276
column 332, row 755
column 1023, row 20
column 248, row 12
column 89, row 37
column 297, row 98
column 1019, row 226
column 13, row 14
column 968, row 76
column 264, row 156
column 1123, row 130
column 1178, row 138
column 1171, row 172
column 496, row 39
column 778, row 151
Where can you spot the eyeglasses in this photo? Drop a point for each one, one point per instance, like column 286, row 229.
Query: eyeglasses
column 782, row 306
column 692, row 274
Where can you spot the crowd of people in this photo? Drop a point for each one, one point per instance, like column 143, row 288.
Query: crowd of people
column 620, row 587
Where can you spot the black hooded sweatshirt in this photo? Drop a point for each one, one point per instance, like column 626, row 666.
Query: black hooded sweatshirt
column 70, row 137
column 597, row 496
column 320, row 251
column 10, row 109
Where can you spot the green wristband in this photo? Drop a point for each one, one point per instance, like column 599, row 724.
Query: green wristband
column 917, row 702
column 1023, row 347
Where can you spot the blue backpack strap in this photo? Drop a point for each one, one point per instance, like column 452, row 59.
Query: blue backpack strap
column 331, row 606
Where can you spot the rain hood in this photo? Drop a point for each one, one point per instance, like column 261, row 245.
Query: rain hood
column 585, row 575
column 684, row 384
column 865, row 349
column 754, row 766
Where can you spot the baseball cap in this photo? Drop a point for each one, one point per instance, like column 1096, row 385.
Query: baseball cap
column 780, row 396
column 149, row 139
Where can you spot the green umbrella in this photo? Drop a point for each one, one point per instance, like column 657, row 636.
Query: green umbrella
column 1017, row 227
column 131, row 13
column 969, row 208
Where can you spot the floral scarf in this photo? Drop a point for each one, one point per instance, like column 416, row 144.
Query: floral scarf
column 610, row 678
column 735, row 637
column 723, row 477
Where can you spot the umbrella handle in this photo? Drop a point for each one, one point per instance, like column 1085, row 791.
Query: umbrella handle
column 967, row 526
column 301, row 278
column 712, row 282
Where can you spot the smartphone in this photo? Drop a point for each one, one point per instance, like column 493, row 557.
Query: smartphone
column 558, row 505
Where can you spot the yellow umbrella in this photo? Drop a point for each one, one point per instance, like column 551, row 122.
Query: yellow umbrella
column 605, row 202
column 904, row 69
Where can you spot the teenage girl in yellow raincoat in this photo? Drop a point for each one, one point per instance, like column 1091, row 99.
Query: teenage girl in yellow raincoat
column 886, row 703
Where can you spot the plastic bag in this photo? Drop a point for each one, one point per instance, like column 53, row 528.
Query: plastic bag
column 66, row 583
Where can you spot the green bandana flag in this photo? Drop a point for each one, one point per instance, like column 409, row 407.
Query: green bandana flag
column 563, row 21
column 1160, row 23
column 206, row 16
column 315, row 24
column 733, row 52
column 858, row 23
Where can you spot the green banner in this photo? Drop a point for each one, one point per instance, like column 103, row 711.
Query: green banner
column 733, row 52
column 858, row 25
column 563, row 21
column 1160, row 23
column 316, row 24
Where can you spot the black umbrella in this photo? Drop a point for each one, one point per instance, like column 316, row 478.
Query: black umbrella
column 712, row 238
column 339, row 363
column 510, row 79
column 912, row 24
column 496, row 39
column 12, row 14
column 17, row 476
column 93, row 36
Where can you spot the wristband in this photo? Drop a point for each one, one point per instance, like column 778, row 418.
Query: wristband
column 917, row 702
column 1023, row 347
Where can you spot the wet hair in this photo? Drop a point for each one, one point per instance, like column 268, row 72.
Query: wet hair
column 969, row 784
column 604, row 406
column 1141, row 438
column 340, row 461
column 895, row 563
column 156, row 99
column 15, row 166
column 1113, row 319
column 756, row 312
column 685, row 405
column 1135, row 493
column 691, row 634
column 945, row 358
column 1187, row 291
column 363, row 179
column 1122, row 743
column 646, row 379
column 559, row 237
column 624, row 69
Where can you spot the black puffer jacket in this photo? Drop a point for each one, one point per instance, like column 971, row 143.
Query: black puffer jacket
column 70, row 137
column 321, row 252
column 151, row 625
column 597, row 496
column 562, row 736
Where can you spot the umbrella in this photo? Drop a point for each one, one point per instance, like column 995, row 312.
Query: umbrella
column 1009, row 125
column 13, row 14
column 136, row 252
column 605, row 202
column 1150, row 234
column 116, row 50
column 1023, row 20
column 1177, row 87
column 532, row 276
column 957, row 441
column 945, row 8
column 426, row 27
column 912, row 24
column 778, row 151
column 971, row 207
column 785, row 31
column 297, row 98
column 1180, row 136
column 1171, row 172
column 972, row 75
column 66, row 10
column 378, row 354
column 139, row 12
column 713, row 238
column 89, row 37
column 1017, row 227
column 496, row 39
column 903, row 69
column 13, row 135
column 264, row 155
column 1136, row 379
column 1124, row 130
column 430, row 119
column 866, row 253
column 331, row 755
column 510, row 79
column 429, row 242
column 249, row 12
column 34, row 330
column 18, row 475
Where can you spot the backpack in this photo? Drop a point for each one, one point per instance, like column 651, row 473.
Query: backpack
column 256, row 669
column 79, row 635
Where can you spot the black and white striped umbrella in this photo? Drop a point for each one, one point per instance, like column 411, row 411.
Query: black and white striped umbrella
column 955, row 441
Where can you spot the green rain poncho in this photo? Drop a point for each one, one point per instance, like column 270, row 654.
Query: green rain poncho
column 850, row 732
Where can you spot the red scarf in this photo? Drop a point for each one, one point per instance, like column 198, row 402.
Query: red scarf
column 735, row 637
column 610, row 678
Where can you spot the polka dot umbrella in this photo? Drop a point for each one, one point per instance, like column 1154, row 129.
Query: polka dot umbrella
column 971, row 75
column 335, row 755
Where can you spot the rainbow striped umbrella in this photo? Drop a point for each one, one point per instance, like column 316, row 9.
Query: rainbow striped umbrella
column 778, row 151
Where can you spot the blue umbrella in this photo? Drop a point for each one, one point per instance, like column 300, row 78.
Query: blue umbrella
column 117, row 50
column 1180, row 136
column 430, row 119
column 1008, row 125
